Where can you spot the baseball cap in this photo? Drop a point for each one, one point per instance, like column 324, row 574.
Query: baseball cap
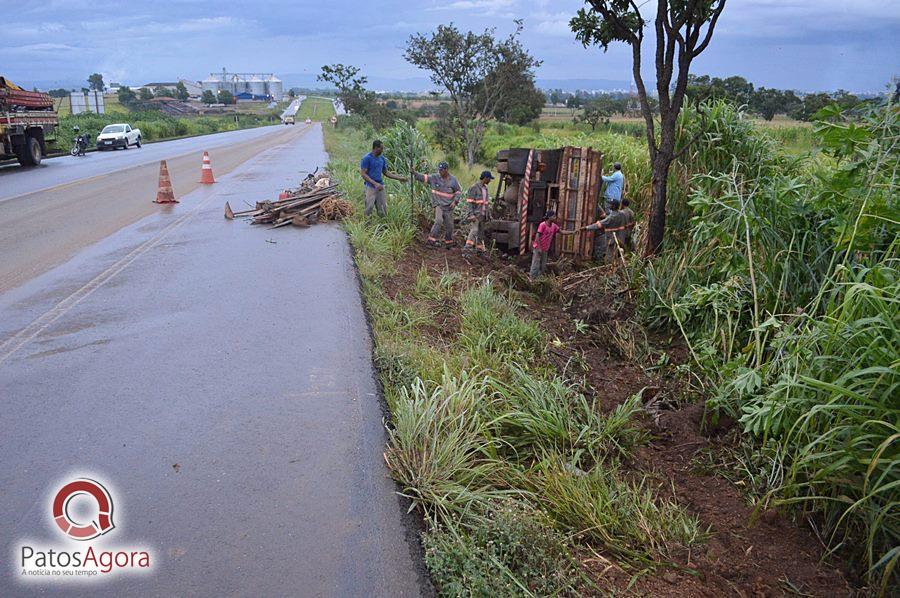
column 486, row 174
column 442, row 165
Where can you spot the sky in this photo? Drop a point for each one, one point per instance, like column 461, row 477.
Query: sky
column 806, row 45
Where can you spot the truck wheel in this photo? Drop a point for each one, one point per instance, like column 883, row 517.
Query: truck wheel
column 29, row 154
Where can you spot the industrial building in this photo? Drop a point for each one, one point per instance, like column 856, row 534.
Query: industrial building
column 246, row 86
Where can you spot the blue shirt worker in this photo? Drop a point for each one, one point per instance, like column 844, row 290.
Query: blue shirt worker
column 373, row 167
column 445, row 194
column 614, row 185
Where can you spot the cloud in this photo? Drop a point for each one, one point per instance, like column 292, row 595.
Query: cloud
column 483, row 7
column 41, row 48
column 555, row 24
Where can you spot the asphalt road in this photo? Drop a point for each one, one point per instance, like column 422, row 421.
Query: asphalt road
column 217, row 377
column 50, row 212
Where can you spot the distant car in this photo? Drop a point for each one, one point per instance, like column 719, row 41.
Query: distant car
column 309, row 121
column 118, row 135
column 288, row 120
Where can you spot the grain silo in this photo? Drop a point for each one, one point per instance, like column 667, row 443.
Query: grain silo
column 254, row 86
column 275, row 88
column 257, row 86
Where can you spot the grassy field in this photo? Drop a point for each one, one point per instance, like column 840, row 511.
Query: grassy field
column 317, row 109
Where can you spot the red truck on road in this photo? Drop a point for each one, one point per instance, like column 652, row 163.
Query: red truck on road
column 27, row 123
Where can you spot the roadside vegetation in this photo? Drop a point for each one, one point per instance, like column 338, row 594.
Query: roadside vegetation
column 512, row 464
column 780, row 279
column 156, row 126
column 757, row 340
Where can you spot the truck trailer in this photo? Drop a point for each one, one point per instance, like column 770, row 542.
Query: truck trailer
column 534, row 181
column 27, row 123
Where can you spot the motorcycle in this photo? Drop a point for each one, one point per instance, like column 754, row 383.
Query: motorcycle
column 79, row 144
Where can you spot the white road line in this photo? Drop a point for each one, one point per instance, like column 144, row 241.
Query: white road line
column 24, row 336
column 125, row 168
column 11, row 345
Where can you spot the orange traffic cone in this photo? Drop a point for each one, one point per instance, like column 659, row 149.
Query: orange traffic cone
column 206, row 175
column 165, row 194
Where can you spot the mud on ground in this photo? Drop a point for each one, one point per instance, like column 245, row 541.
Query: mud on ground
column 747, row 553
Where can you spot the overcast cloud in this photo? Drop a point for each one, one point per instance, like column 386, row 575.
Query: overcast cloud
column 798, row 44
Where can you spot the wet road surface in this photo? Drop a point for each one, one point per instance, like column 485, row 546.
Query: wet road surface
column 104, row 191
column 222, row 386
column 15, row 180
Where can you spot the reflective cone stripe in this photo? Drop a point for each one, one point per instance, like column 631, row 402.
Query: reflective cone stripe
column 206, row 174
column 165, row 194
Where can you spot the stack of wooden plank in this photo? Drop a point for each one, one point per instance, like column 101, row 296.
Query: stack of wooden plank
column 300, row 207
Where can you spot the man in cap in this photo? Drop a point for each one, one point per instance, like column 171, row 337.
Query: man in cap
column 373, row 167
column 478, row 211
column 614, row 185
column 445, row 194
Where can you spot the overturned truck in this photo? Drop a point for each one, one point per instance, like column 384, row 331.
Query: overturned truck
column 534, row 181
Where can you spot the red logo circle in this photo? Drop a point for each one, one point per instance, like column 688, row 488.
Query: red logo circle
column 92, row 529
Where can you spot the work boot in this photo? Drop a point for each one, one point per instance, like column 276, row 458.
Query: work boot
column 432, row 242
column 449, row 245
column 481, row 248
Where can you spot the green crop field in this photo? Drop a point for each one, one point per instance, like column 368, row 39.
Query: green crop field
column 318, row 109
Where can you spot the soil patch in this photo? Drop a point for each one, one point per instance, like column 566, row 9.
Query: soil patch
column 591, row 313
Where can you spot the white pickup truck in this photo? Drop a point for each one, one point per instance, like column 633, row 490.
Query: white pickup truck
column 118, row 135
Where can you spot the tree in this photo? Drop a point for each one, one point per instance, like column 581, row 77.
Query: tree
column 145, row 94
column 573, row 102
column 554, row 97
column 126, row 96
column 58, row 93
column 350, row 85
column 594, row 114
column 225, row 97
column 809, row 105
column 208, row 97
column 521, row 102
column 161, row 91
column 181, row 91
column 766, row 102
column 684, row 29
column 95, row 82
column 467, row 65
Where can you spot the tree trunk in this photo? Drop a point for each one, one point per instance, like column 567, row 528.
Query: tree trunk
column 657, row 225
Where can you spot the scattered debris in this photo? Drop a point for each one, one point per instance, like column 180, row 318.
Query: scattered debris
column 317, row 198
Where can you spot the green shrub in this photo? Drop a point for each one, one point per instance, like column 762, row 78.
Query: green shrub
column 536, row 416
column 631, row 519
column 440, row 449
column 492, row 334
column 517, row 552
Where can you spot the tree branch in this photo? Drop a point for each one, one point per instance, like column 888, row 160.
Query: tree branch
column 709, row 31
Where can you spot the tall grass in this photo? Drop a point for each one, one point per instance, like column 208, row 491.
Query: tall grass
column 784, row 285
